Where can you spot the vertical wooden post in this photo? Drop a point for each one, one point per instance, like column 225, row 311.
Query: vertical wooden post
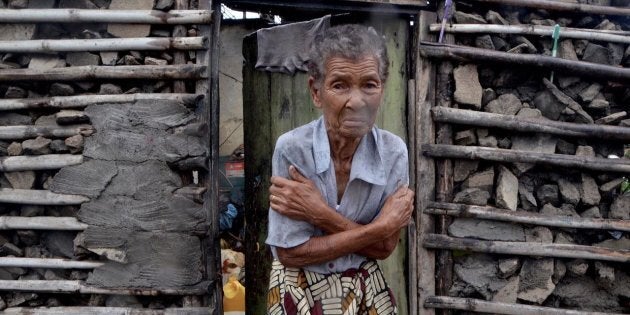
column 412, row 248
column 425, row 169
column 179, row 57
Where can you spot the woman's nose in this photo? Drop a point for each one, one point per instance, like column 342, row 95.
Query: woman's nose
column 355, row 98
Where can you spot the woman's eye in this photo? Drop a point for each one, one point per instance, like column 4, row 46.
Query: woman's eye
column 338, row 86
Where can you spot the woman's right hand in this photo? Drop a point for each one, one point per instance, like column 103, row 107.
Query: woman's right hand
column 397, row 210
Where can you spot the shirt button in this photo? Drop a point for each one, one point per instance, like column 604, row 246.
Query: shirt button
column 331, row 265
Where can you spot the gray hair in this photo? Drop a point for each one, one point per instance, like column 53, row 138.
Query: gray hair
column 352, row 41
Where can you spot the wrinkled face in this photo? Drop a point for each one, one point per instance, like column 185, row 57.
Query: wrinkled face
column 349, row 96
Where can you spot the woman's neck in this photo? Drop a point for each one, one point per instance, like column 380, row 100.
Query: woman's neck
column 342, row 148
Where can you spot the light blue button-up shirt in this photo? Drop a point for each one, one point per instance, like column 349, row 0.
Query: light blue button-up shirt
column 380, row 164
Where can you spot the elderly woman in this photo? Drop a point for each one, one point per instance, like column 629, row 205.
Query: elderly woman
column 339, row 195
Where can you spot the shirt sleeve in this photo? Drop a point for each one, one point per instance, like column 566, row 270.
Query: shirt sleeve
column 398, row 174
column 283, row 231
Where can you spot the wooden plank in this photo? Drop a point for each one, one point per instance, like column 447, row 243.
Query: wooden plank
column 412, row 247
column 481, row 306
column 38, row 162
column 76, row 101
column 74, row 287
column 425, row 167
column 102, row 44
column 166, row 72
column 527, row 248
column 105, row 16
column 526, row 217
column 555, row 5
column 39, row 197
column 516, row 156
column 41, row 223
column 524, row 124
column 29, row 132
column 52, row 263
column 81, row 310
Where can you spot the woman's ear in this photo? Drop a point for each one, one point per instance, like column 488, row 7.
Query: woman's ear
column 314, row 87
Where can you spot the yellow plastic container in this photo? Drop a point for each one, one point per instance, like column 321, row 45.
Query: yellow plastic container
column 233, row 297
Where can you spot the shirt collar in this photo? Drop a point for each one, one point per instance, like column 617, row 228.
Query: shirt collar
column 366, row 163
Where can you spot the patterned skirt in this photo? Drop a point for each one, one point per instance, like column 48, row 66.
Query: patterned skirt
column 355, row 291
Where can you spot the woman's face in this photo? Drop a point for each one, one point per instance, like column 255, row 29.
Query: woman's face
column 349, row 96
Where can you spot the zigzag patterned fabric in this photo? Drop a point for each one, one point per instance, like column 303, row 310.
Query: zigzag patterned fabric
column 353, row 292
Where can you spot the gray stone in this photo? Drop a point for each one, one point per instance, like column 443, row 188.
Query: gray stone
column 528, row 201
column 605, row 273
column 463, row 168
column 527, row 46
column 509, row 293
column 130, row 60
column 76, row 4
column 88, row 179
column 59, row 146
column 590, row 191
column 15, row 92
column 547, row 194
column 163, row 4
column 466, row 137
column 109, row 88
column 59, row 243
column 82, row 59
column 17, row 31
column 589, row 93
column 487, row 96
column 75, row 143
column 130, row 30
column 566, row 101
column 49, row 120
column 109, row 58
column 61, row 89
column 14, row 149
column 484, row 42
column 507, row 189
column 37, row 146
column 620, row 208
column 482, row 132
column 21, row 180
column 549, row 105
column 598, row 104
column 612, row 118
column 480, row 272
column 625, row 123
column 596, row 54
column 616, row 53
column 568, row 191
column 500, row 43
column 530, row 113
column 613, row 184
column 536, row 283
column 123, row 301
column 577, row 267
column 559, row 271
column 585, row 294
column 566, row 50
column 28, row 237
column 472, row 196
column 539, row 234
column 592, row 212
column 490, row 142
column 18, row 4
column 31, row 211
column 506, row 104
column 41, row 4
column 495, row 18
column 585, row 151
column 565, row 147
column 68, row 117
column 549, row 209
column 486, row 230
column 622, row 243
column 154, row 61
column 540, row 143
column 465, row 18
column 468, row 90
column 509, row 266
column 45, row 62
column 482, row 180
column 8, row 249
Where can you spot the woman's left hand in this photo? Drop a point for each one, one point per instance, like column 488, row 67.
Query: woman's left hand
column 297, row 198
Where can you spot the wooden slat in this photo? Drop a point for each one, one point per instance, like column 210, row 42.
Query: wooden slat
column 556, row 5
column 102, row 44
column 481, row 306
column 29, row 132
column 52, row 263
column 105, row 72
column 524, row 124
column 41, row 223
column 526, row 217
column 105, row 16
column 71, row 310
column 85, row 100
column 527, row 249
column 38, row 162
column 516, row 156
column 71, row 286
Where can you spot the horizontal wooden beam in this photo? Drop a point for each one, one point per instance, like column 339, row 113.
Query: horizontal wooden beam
column 168, row 72
column 82, row 310
column 516, row 156
column 102, row 44
column 523, row 124
column 479, row 55
column 73, row 287
column 88, row 99
column 105, row 16
column 538, row 30
column 482, row 306
column 29, row 132
column 38, row 162
column 41, row 223
column 52, row 263
column 555, row 5
column 491, row 213
column 527, row 248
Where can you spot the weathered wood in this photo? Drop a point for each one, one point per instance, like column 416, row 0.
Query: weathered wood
column 28, row 132
column 525, row 124
column 39, row 197
column 38, row 162
column 412, row 247
column 105, row 72
column 105, row 16
column 564, row 6
column 527, row 248
column 74, row 287
column 179, row 57
column 189, row 100
column 491, row 213
column 102, row 44
column 81, row 310
column 516, row 156
column 52, row 263
column 481, row 306
column 539, row 30
column 41, row 223
column 425, row 167
column 478, row 55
